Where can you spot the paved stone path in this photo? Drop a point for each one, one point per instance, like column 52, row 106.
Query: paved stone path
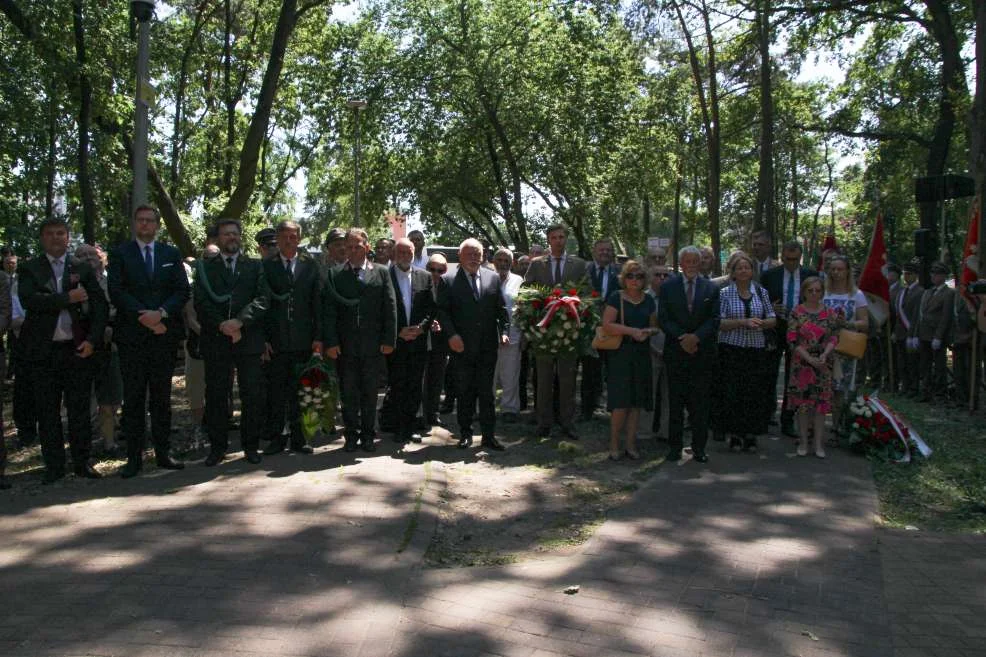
column 749, row 556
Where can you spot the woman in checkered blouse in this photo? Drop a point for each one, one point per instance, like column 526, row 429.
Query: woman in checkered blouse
column 744, row 401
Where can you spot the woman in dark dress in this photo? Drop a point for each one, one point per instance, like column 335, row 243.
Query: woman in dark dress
column 630, row 313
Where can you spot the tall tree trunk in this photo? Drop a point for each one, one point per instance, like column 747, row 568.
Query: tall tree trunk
column 766, row 210
column 977, row 150
column 229, row 98
column 794, row 193
column 246, row 178
column 51, row 161
column 84, row 120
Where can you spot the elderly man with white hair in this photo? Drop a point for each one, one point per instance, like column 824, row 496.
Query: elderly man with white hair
column 474, row 321
column 507, row 374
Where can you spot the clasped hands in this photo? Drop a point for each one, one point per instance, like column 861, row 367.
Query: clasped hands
column 79, row 295
column 333, row 352
column 151, row 319
column 689, row 343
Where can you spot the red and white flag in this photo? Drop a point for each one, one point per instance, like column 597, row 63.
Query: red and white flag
column 873, row 279
column 970, row 254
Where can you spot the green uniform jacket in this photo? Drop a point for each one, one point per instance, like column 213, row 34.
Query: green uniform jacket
column 241, row 295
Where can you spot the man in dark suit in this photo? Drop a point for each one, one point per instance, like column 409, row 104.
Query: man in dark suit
column 360, row 325
column 783, row 286
column 148, row 287
column 604, row 277
column 416, row 309
column 66, row 313
column 294, row 332
column 688, row 313
column 906, row 301
column 474, row 319
column 554, row 270
column 5, row 314
column 934, row 333
column 231, row 299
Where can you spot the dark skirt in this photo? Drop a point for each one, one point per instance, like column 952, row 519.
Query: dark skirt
column 628, row 376
column 744, row 395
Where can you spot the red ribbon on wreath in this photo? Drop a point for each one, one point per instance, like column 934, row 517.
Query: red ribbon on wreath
column 570, row 305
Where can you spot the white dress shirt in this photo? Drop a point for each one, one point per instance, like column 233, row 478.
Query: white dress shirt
column 404, row 283
column 63, row 327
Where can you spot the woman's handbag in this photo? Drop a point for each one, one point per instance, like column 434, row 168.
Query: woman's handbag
column 852, row 344
column 602, row 341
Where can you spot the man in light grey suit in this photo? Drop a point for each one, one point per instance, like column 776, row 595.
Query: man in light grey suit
column 557, row 269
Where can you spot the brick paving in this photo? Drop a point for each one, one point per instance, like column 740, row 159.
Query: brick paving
column 749, row 556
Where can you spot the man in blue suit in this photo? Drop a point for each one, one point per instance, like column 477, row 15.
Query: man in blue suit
column 688, row 312
column 148, row 287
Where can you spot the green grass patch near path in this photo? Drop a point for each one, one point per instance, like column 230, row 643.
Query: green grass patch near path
column 946, row 492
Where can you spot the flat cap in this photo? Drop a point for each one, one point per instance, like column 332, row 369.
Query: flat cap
column 335, row 234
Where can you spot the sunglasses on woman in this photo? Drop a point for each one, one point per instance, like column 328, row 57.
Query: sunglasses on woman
column 636, row 277
column 436, row 270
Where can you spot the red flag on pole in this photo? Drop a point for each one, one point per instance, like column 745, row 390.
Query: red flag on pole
column 873, row 281
column 970, row 254
column 828, row 245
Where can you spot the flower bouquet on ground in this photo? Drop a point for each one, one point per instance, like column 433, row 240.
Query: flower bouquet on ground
column 557, row 321
column 879, row 432
column 318, row 390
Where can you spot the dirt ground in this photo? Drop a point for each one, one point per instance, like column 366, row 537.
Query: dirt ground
column 540, row 496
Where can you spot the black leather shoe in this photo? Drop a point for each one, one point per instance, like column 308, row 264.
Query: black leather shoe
column 435, row 421
column 366, row 444
column 276, row 447
column 673, row 455
column 213, row 459
column 51, row 475
column 542, row 432
column 253, row 456
column 400, row 438
column 464, row 442
column 415, row 437
column 168, row 463
column 701, row 457
column 301, row 449
column 131, row 469
column 86, row 471
column 352, row 444
column 492, row 443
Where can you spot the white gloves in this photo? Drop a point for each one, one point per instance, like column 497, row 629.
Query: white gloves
column 936, row 344
column 912, row 344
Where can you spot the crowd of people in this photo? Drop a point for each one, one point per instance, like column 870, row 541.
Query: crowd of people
column 96, row 332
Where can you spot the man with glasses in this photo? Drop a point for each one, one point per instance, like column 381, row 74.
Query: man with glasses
column 783, row 285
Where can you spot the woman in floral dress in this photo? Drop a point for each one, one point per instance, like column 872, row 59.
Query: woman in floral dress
column 812, row 335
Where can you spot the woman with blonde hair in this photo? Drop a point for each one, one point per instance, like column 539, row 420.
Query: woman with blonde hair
column 745, row 393
column 811, row 336
column 843, row 298
column 632, row 314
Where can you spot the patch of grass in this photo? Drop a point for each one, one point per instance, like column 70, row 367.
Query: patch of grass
column 946, row 492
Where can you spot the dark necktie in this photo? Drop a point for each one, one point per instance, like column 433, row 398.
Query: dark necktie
column 789, row 302
column 229, row 264
column 148, row 261
column 557, row 271
column 287, row 268
column 475, row 286
column 691, row 293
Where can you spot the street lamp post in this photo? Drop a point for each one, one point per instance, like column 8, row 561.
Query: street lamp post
column 142, row 11
column 357, row 105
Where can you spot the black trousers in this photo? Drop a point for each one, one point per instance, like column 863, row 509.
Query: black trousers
column 689, row 386
column 592, row 383
column 25, row 417
column 282, row 395
column 474, row 381
column 63, row 375
column 147, row 370
column 218, row 390
column 909, row 374
column 405, row 374
column 525, row 370
column 434, row 380
column 359, row 376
